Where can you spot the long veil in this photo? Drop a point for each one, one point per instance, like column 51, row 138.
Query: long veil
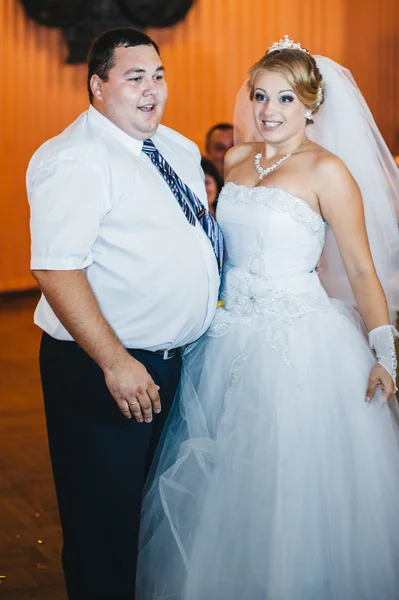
column 345, row 126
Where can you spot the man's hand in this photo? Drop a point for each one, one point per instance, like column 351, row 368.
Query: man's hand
column 133, row 389
column 71, row 298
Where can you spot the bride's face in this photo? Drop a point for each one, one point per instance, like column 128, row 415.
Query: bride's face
column 279, row 115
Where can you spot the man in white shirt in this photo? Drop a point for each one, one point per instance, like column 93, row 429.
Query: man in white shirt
column 128, row 277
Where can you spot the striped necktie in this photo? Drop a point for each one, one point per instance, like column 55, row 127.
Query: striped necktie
column 191, row 205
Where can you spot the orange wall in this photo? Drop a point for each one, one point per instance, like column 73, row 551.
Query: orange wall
column 372, row 54
column 206, row 57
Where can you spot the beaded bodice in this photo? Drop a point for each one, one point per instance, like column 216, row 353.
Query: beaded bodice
column 273, row 244
column 284, row 234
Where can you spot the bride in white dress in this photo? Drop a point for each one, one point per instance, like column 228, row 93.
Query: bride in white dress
column 278, row 478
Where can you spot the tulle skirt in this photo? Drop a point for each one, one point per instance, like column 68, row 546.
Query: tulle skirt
column 275, row 480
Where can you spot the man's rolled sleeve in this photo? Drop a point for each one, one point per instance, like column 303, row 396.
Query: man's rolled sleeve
column 67, row 203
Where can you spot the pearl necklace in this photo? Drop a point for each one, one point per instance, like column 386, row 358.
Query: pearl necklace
column 263, row 172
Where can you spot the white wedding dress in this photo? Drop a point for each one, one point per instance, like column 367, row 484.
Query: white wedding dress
column 275, row 480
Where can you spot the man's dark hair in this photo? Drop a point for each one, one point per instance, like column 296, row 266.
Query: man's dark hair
column 101, row 57
column 221, row 126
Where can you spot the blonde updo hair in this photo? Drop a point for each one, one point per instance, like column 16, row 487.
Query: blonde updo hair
column 300, row 70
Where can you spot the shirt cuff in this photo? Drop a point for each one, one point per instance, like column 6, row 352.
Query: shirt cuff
column 59, row 264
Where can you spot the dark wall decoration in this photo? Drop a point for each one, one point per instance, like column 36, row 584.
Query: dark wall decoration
column 82, row 20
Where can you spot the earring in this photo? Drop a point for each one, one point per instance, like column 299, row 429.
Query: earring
column 309, row 115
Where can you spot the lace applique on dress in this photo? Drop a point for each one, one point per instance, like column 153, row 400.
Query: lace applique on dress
column 251, row 298
column 235, row 372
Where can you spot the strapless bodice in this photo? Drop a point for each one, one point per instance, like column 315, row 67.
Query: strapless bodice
column 268, row 231
column 273, row 244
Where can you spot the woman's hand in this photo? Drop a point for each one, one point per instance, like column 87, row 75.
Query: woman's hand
column 380, row 376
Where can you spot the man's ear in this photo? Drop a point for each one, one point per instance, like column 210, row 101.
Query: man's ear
column 96, row 86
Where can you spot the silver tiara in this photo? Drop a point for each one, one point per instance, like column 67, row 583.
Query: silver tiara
column 286, row 44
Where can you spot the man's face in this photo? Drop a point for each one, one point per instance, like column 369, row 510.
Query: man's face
column 221, row 141
column 134, row 95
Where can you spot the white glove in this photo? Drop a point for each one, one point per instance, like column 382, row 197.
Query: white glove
column 382, row 341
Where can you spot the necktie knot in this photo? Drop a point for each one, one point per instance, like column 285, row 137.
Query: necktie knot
column 149, row 147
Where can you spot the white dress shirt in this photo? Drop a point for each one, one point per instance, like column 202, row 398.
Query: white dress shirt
column 100, row 205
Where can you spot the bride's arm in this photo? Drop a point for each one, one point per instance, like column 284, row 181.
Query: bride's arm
column 342, row 207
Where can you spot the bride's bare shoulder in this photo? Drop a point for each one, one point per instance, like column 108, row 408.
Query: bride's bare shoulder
column 239, row 154
column 332, row 179
column 324, row 160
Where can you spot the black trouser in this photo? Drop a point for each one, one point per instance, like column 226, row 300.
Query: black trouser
column 100, row 461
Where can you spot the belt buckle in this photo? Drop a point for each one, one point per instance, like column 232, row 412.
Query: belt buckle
column 168, row 354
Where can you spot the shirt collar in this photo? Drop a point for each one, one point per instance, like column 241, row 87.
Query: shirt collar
column 98, row 120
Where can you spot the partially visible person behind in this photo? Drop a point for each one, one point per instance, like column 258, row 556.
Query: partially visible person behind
column 396, row 159
column 219, row 139
column 213, row 184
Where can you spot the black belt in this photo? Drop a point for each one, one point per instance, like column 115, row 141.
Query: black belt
column 166, row 354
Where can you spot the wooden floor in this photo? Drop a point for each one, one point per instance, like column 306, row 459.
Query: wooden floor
column 30, row 536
